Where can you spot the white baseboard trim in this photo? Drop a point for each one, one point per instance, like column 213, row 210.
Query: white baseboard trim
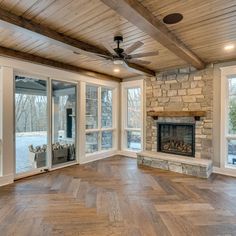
column 224, row 171
column 98, row 156
column 127, row 153
column 6, row 179
column 61, row 166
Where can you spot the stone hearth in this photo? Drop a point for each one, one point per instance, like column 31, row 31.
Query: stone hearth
column 191, row 166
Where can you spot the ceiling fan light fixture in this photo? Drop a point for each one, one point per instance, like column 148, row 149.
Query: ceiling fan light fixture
column 118, row 61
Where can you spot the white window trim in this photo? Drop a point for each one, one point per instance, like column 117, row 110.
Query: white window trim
column 100, row 154
column 124, row 87
column 226, row 72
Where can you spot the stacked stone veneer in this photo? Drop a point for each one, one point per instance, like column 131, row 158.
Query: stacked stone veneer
column 182, row 90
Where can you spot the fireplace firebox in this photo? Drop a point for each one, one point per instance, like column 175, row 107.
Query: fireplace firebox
column 176, row 138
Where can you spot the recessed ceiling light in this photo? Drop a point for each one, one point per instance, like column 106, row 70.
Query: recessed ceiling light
column 229, row 47
column 173, row 18
column 116, row 70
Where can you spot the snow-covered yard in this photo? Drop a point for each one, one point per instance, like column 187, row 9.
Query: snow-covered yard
column 23, row 141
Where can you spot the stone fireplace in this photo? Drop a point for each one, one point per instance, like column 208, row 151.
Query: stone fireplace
column 181, row 90
column 176, row 138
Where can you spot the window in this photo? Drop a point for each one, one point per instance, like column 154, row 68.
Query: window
column 132, row 116
column 91, row 107
column 231, row 122
column 228, row 119
column 1, row 121
column 106, row 108
column 99, row 118
column 133, row 128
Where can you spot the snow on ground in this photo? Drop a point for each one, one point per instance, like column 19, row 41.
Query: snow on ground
column 23, row 141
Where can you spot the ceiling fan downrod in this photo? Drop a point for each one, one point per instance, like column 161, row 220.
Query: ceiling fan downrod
column 118, row 40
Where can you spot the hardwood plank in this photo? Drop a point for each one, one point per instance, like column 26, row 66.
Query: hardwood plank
column 90, row 200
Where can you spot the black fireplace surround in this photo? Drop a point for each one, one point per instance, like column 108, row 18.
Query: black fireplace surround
column 176, row 138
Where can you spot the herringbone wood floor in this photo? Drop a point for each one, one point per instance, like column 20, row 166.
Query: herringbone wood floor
column 115, row 197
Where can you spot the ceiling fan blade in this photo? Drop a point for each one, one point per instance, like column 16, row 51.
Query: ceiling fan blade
column 145, row 54
column 140, row 62
column 138, row 69
column 133, row 47
column 109, row 48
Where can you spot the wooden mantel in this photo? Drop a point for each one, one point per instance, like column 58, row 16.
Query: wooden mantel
column 195, row 114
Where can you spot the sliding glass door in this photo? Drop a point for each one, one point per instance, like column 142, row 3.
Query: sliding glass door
column 31, row 124
column 63, row 122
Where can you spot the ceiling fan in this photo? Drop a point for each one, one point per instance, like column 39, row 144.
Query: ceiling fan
column 120, row 56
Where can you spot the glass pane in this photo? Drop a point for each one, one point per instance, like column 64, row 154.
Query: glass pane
column 134, row 108
column 232, row 106
column 63, row 122
column 31, row 121
column 91, row 142
column 231, row 152
column 91, row 107
column 134, row 140
column 106, row 108
column 107, row 140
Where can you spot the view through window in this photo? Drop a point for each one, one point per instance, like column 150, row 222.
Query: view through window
column 99, row 118
column 63, row 122
column 231, row 137
column 30, row 123
column 133, row 128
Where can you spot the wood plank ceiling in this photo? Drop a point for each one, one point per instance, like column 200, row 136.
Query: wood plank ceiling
column 207, row 26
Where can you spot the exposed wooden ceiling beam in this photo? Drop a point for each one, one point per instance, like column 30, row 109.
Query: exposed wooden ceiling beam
column 6, row 52
column 142, row 18
column 137, row 69
column 15, row 22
